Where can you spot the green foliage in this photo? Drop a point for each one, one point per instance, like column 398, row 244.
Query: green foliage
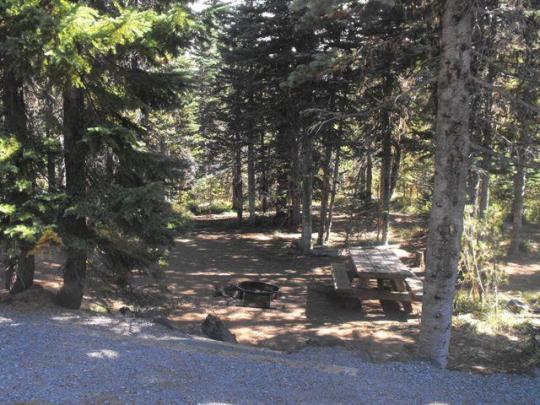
column 208, row 195
column 130, row 62
column 479, row 270
column 214, row 207
column 179, row 220
column 532, row 207
column 85, row 35
column 23, row 213
column 130, row 226
column 9, row 147
column 529, row 332
column 130, row 221
column 23, row 224
column 464, row 305
column 416, row 205
column 531, row 297
column 413, row 190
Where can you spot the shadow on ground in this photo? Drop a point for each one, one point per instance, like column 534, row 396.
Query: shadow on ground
column 307, row 313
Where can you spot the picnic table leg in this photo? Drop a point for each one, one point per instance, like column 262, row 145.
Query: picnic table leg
column 387, row 305
column 399, row 285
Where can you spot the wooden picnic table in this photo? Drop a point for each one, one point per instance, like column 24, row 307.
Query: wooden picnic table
column 395, row 282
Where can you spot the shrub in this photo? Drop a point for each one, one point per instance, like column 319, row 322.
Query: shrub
column 215, row 207
column 179, row 220
column 479, row 270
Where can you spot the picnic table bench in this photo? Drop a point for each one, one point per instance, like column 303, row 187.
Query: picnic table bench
column 395, row 282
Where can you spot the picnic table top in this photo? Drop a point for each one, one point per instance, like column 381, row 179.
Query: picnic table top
column 378, row 262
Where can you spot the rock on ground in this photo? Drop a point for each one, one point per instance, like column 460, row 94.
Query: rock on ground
column 215, row 328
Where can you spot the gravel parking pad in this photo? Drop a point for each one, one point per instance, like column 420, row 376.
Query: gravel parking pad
column 74, row 358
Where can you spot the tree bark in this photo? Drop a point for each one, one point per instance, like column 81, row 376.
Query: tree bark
column 325, row 195
column 518, row 204
column 251, row 177
column 264, row 175
column 486, row 125
column 483, row 194
column 307, row 192
column 20, row 271
column 487, row 138
column 294, row 187
column 335, row 178
column 526, row 118
column 452, row 140
column 360, row 184
column 282, row 173
column 51, row 158
column 51, row 172
column 234, row 189
column 369, row 181
column 473, row 184
column 396, row 164
column 386, row 167
column 74, row 225
column 238, row 187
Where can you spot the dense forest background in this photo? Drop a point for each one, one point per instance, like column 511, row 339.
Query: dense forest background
column 121, row 120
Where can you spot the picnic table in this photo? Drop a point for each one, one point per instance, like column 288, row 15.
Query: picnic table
column 396, row 284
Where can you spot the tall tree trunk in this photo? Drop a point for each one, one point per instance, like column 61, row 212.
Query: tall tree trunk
column 251, row 177
column 357, row 191
column 238, row 187
column 307, row 191
column 51, row 171
column 486, row 125
column 487, row 138
column 361, row 181
column 264, row 175
column 335, row 178
column 527, row 118
column 473, row 184
column 51, row 158
column 483, row 193
column 20, row 270
column 74, row 226
column 61, row 177
column 386, row 167
column 517, row 206
column 234, row 189
column 396, row 163
column 294, row 187
column 325, row 195
column 452, row 140
column 369, row 180
column 282, row 173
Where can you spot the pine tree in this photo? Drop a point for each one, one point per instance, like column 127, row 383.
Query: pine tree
column 24, row 27
column 115, row 203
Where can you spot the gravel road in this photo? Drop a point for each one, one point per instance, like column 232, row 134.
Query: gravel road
column 74, row 358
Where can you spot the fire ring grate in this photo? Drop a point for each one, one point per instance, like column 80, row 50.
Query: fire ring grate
column 257, row 294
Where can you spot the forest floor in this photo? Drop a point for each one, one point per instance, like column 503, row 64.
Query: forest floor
column 217, row 253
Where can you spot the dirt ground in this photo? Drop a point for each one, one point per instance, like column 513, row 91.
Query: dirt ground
column 217, row 253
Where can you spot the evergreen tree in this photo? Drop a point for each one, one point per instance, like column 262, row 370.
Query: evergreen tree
column 24, row 27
